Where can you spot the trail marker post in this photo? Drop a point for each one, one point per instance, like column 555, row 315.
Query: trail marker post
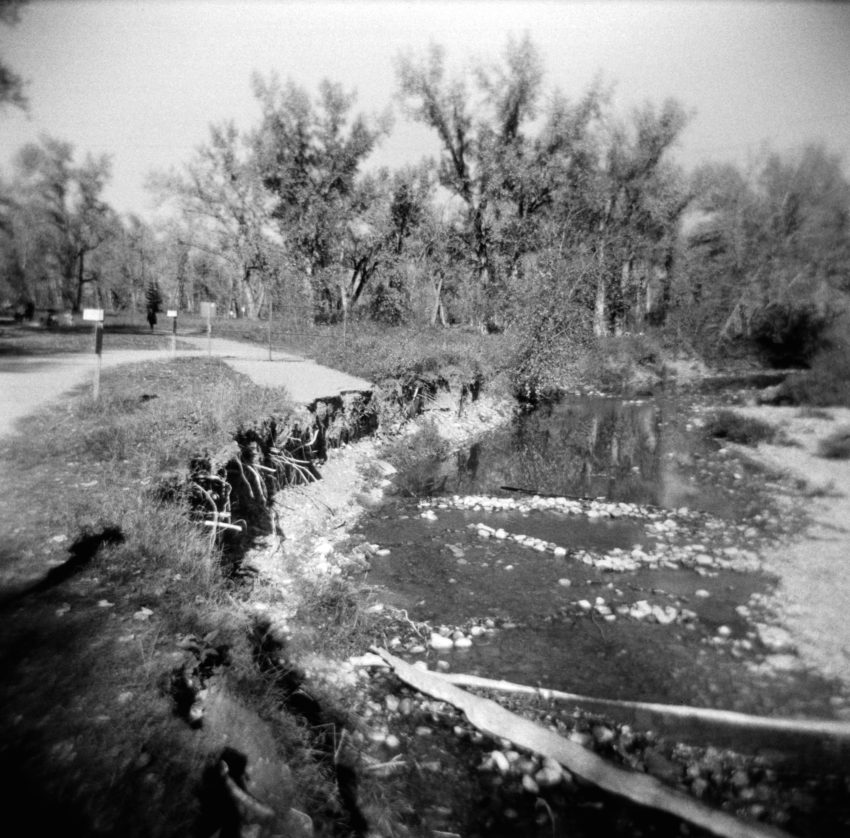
column 270, row 326
column 208, row 310
column 96, row 316
column 173, row 315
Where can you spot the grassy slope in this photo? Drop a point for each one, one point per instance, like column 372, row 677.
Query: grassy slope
column 90, row 738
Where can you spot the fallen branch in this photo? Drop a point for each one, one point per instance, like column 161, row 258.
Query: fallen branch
column 495, row 720
column 663, row 717
column 222, row 525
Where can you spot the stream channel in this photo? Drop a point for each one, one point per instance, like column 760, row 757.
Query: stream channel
column 655, row 594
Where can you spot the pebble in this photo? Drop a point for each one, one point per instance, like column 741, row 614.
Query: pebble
column 439, row 642
column 423, row 730
column 529, row 784
column 462, row 643
column 564, row 583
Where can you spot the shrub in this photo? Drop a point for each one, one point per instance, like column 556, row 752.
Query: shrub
column 734, row 427
column 837, row 445
column 826, row 383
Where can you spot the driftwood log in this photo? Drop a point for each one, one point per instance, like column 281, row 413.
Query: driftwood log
column 715, row 727
column 495, row 720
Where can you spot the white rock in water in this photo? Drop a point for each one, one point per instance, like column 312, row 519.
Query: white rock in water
column 640, row 610
column 437, row 641
column 462, row 643
column 392, row 742
column 564, row 583
column 724, row 631
column 665, row 615
column 775, row 638
column 702, row 593
column 584, row 605
column 500, row 533
column 560, row 552
column 477, row 631
column 428, row 515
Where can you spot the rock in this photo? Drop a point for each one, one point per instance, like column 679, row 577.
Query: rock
column 142, row 614
column 462, row 643
column 560, row 552
column 603, row 735
column 584, row 605
column 550, row 774
column 776, row 639
column 392, row 742
column 529, row 784
column 500, row 762
column 564, row 583
column 392, row 702
column 423, row 730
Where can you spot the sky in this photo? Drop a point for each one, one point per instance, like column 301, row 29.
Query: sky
column 142, row 81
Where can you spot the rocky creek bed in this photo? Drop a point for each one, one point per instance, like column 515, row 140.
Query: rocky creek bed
column 658, row 590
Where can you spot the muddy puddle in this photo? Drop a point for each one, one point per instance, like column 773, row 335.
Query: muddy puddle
column 652, row 594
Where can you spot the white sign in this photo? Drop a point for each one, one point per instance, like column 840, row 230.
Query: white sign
column 171, row 313
column 93, row 314
column 207, row 310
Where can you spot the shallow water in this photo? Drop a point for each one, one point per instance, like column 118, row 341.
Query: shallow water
column 645, row 452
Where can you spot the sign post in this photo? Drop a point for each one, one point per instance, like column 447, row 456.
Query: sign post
column 96, row 316
column 172, row 313
column 208, row 310
column 270, row 326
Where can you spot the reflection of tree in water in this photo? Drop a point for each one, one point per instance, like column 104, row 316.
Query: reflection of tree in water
column 589, row 447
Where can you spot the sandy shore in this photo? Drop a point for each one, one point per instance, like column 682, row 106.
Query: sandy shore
column 813, row 596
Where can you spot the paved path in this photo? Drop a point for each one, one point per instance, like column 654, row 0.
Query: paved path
column 305, row 380
column 28, row 382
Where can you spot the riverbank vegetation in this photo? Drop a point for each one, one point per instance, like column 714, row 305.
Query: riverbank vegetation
column 558, row 223
column 123, row 611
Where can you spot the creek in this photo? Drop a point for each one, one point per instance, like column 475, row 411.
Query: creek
column 655, row 593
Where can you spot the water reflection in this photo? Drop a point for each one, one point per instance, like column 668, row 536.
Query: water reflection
column 639, row 452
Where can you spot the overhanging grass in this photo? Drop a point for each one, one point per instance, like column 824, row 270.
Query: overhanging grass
column 90, row 739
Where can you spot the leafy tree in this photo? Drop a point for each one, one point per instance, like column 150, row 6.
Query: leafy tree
column 308, row 155
column 507, row 178
column 769, row 254
column 70, row 219
column 227, row 213
column 11, row 84
column 636, row 201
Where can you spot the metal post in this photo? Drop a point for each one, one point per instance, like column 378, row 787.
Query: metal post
column 270, row 327
column 98, row 350
column 173, row 336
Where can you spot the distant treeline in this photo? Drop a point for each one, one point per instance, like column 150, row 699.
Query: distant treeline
column 556, row 218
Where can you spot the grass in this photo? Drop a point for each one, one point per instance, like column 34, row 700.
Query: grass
column 837, row 445
column 119, row 332
column 91, row 741
column 734, row 427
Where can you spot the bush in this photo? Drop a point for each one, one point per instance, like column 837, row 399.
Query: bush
column 734, row 427
column 837, row 445
column 826, row 383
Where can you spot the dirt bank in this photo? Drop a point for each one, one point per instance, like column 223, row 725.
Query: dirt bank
column 316, row 518
column 813, row 596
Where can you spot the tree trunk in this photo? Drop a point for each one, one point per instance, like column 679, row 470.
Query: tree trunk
column 80, row 268
column 600, row 312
